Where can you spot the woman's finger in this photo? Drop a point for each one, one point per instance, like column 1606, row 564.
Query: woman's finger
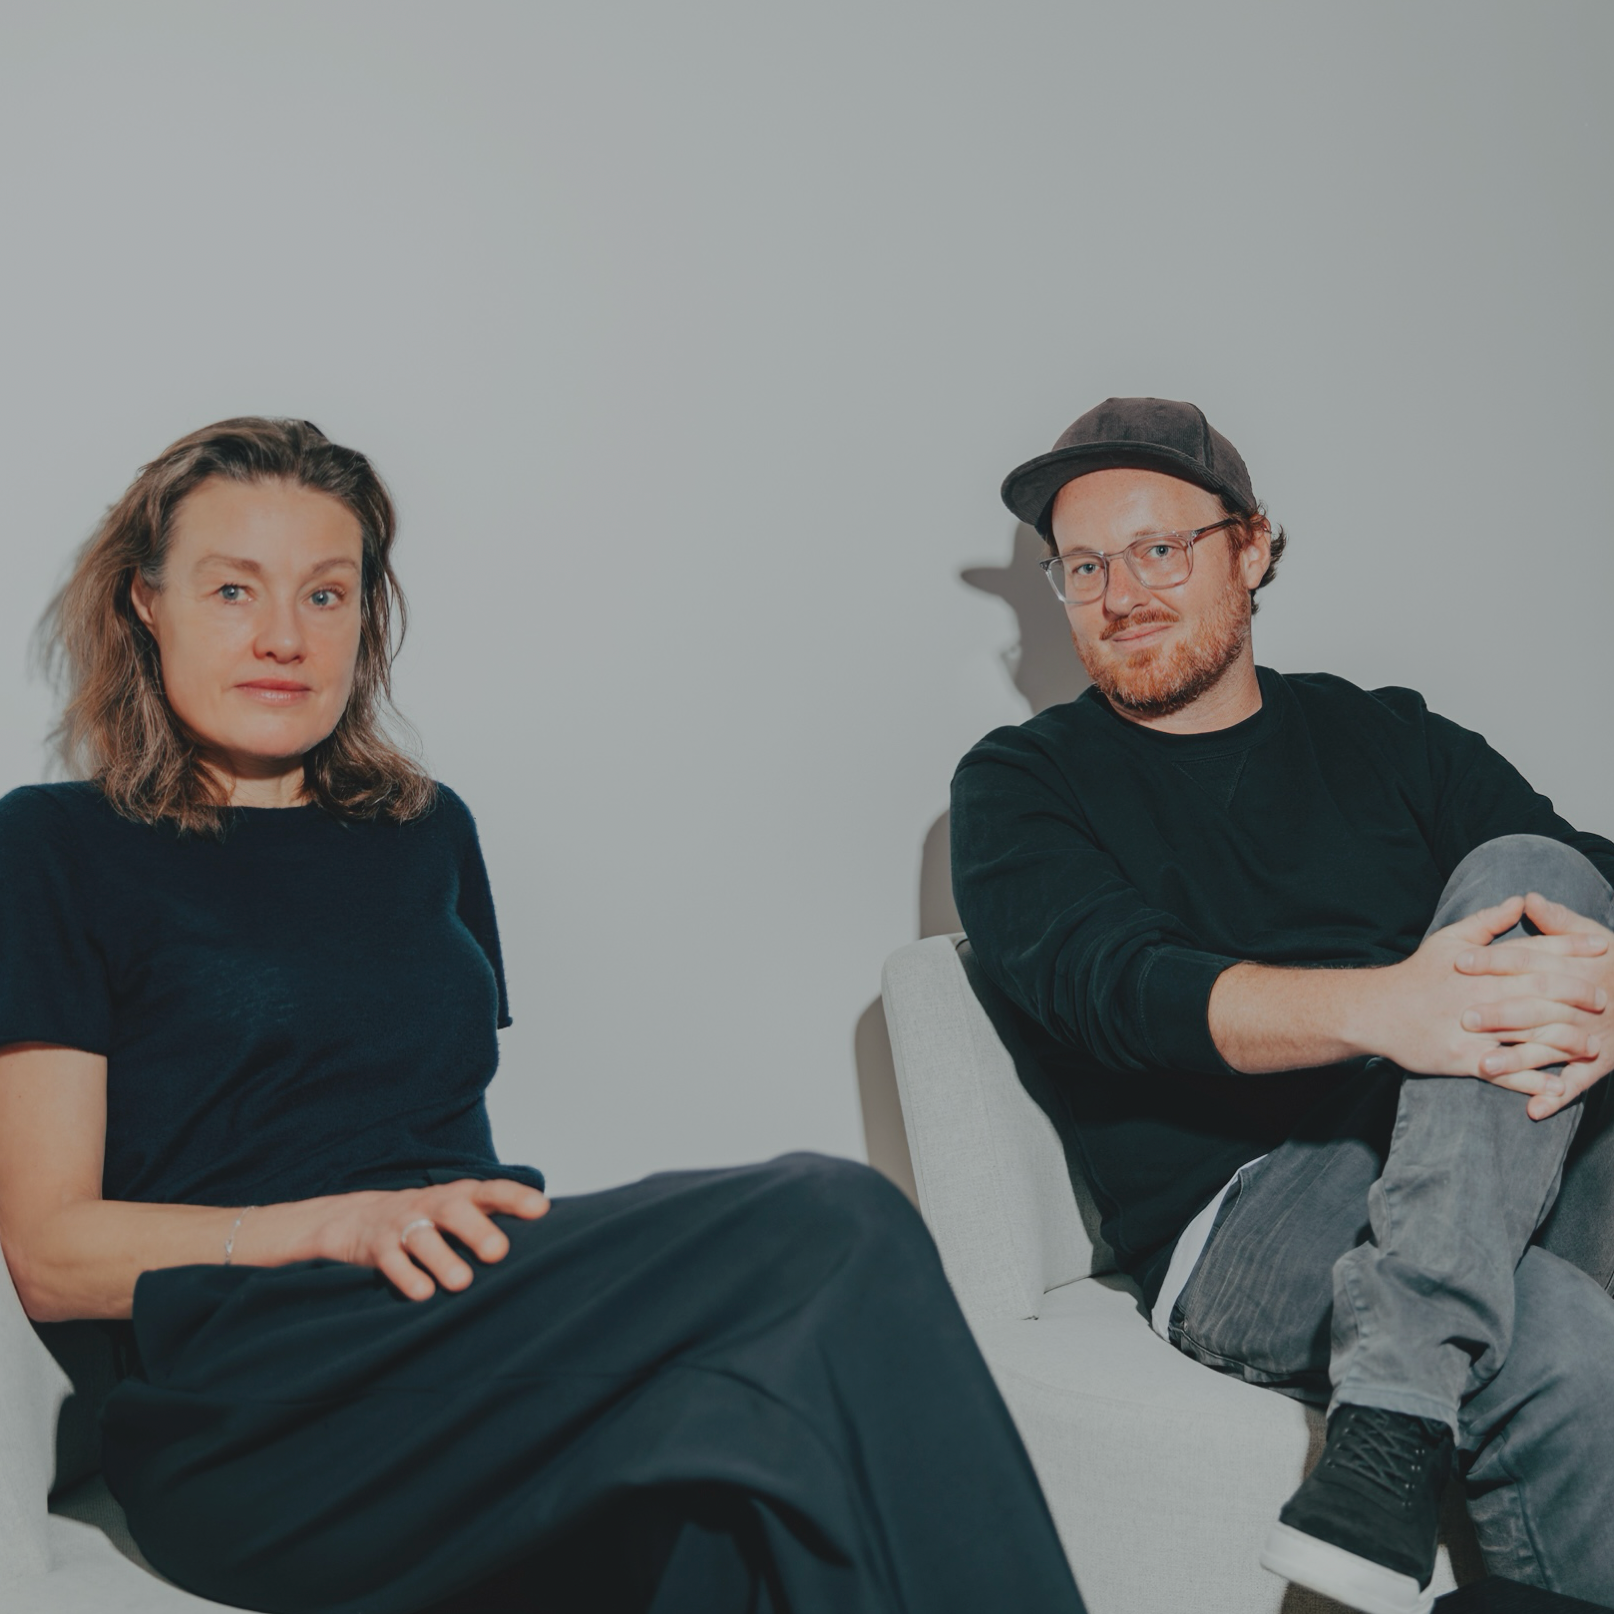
column 427, row 1248
column 393, row 1263
column 467, row 1222
column 509, row 1198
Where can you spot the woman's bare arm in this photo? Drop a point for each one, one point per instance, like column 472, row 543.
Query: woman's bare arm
column 74, row 1254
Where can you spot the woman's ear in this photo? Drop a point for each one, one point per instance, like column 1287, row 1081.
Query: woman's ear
column 142, row 596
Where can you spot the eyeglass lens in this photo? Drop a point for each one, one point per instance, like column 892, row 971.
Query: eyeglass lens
column 1080, row 578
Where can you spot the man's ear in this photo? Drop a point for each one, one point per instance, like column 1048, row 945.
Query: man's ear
column 142, row 596
column 1255, row 553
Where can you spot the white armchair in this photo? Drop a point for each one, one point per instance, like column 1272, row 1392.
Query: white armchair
column 1163, row 1476
column 70, row 1554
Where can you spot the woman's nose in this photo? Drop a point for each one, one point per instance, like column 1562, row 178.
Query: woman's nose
column 280, row 634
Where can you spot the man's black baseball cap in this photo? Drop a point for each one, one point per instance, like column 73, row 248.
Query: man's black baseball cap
column 1146, row 434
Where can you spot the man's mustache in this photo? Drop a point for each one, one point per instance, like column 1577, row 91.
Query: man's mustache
column 1139, row 619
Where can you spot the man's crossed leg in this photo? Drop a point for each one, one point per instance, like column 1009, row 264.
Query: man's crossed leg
column 1435, row 1262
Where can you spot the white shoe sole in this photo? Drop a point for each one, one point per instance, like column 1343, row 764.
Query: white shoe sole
column 1356, row 1582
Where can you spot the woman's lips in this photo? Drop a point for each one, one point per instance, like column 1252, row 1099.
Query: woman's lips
column 274, row 691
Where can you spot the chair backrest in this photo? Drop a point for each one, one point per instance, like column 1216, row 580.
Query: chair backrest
column 32, row 1389
column 1010, row 1218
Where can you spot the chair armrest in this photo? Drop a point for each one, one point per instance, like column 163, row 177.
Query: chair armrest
column 993, row 1182
column 32, row 1389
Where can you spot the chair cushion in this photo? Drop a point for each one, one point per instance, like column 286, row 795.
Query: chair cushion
column 993, row 1180
column 1163, row 1476
column 89, row 1576
column 90, row 1502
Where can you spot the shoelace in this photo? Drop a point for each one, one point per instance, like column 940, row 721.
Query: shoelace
column 1385, row 1448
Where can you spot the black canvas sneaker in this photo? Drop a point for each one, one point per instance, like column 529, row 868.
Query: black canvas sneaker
column 1362, row 1528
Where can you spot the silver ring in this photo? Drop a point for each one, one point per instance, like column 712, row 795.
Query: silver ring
column 419, row 1221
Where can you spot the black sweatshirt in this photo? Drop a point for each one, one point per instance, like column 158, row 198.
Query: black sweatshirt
column 1107, row 874
column 304, row 1007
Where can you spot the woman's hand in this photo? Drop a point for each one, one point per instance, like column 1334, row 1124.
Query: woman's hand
column 401, row 1234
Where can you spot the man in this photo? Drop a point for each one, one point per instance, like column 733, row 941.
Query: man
column 1324, row 987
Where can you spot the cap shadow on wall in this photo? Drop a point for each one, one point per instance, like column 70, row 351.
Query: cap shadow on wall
column 1043, row 667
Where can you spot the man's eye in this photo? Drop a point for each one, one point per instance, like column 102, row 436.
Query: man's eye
column 1159, row 551
column 1083, row 568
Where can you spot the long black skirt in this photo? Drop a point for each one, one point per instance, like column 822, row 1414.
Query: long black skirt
column 745, row 1390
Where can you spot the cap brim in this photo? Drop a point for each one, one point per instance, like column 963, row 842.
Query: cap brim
column 1029, row 489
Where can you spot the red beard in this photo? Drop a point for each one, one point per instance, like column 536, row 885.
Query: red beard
column 1155, row 682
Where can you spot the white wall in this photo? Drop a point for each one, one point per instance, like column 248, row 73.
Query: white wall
column 695, row 341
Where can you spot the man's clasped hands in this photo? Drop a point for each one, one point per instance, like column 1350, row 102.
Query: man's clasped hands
column 1530, row 1013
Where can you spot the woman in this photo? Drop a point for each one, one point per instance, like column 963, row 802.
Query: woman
column 249, row 988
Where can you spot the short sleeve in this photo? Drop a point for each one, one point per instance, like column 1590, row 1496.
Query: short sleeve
column 475, row 904
column 53, row 978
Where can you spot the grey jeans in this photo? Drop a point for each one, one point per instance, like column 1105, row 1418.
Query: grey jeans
column 1421, row 1244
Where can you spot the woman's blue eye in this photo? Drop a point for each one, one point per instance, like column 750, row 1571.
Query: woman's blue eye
column 1159, row 551
column 323, row 596
column 231, row 592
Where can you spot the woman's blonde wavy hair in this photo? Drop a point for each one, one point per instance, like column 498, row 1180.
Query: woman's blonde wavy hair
column 117, row 727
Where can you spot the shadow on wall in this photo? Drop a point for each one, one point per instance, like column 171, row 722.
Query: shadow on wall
column 1042, row 665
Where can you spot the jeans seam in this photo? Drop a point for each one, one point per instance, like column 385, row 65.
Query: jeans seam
column 1515, row 1496
column 1261, row 1377
column 1359, row 1317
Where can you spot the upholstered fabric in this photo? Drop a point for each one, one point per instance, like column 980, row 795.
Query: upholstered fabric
column 1162, row 1475
column 89, row 1576
column 90, row 1502
column 77, row 1558
column 989, row 1167
column 32, row 1389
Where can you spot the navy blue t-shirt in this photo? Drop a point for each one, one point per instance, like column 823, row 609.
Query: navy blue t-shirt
column 304, row 1006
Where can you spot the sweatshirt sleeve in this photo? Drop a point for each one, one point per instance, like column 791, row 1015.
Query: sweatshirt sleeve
column 1478, row 795
column 1061, row 932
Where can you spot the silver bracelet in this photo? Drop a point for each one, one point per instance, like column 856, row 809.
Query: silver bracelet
column 229, row 1243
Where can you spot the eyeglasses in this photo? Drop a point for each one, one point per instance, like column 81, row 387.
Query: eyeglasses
column 1163, row 561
